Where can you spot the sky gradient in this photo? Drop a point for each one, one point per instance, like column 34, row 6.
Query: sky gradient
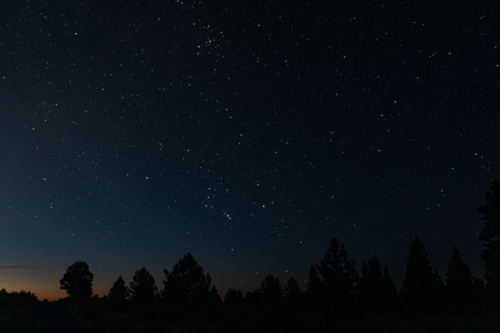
column 249, row 134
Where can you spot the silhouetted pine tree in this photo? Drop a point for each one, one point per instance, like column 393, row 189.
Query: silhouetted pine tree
column 270, row 290
column 371, row 288
column 292, row 292
column 421, row 291
column 143, row 287
column 479, row 295
column 440, row 293
column 330, row 296
column 187, row 285
column 490, row 236
column 119, row 292
column 313, row 296
column 214, row 296
column 233, row 296
column 234, row 305
column 293, row 305
column 463, row 289
column 77, row 281
column 390, row 292
column 313, row 280
column 339, row 278
column 269, row 308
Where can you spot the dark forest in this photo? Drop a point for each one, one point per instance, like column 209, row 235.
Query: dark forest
column 337, row 297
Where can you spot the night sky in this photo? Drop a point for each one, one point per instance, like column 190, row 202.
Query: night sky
column 247, row 133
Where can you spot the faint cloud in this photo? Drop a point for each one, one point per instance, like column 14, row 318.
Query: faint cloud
column 29, row 268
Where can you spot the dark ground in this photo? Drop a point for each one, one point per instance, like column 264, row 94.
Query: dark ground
column 44, row 318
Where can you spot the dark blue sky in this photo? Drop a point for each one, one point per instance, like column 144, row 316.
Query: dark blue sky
column 247, row 134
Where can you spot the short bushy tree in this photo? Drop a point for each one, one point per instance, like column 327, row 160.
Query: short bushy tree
column 77, row 281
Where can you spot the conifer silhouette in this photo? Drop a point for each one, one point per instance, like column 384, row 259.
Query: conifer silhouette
column 119, row 292
column 339, row 278
column 421, row 286
column 313, row 280
column 233, row 296
column 143, row 287
column 371, row 286
column 293, row 303
column 490, row 236
column 292, row 292
column 270, row 290
column 186, row 284
column 461, row 285
column 214, row 296
column 390, row 292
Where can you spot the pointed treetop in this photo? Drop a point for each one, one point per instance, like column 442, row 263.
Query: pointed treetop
column 459, row 275
column 490, row 213
column 292, row 289
column 119, row 291
column 490, row 236
column 313, row 280
column 143, row 287
column 335, row 266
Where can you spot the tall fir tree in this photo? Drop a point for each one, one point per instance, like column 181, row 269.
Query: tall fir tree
column 292, row 292
column 269, row 304
column 214, row 296
column 233, row 297
column 421, row 286
column 313, row 295
column 186, row 284
column 119, row 292
column 338, row 279
column 490, row 236
column 234, row 303
column 143, row 288
column 370, row 287
column 313, row 280
column 459, row 283
column 390, row 291
column 270, row 290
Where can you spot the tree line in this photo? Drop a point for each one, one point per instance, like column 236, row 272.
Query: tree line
column 337, row 297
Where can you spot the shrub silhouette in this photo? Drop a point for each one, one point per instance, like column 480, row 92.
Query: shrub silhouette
column 11, row 304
